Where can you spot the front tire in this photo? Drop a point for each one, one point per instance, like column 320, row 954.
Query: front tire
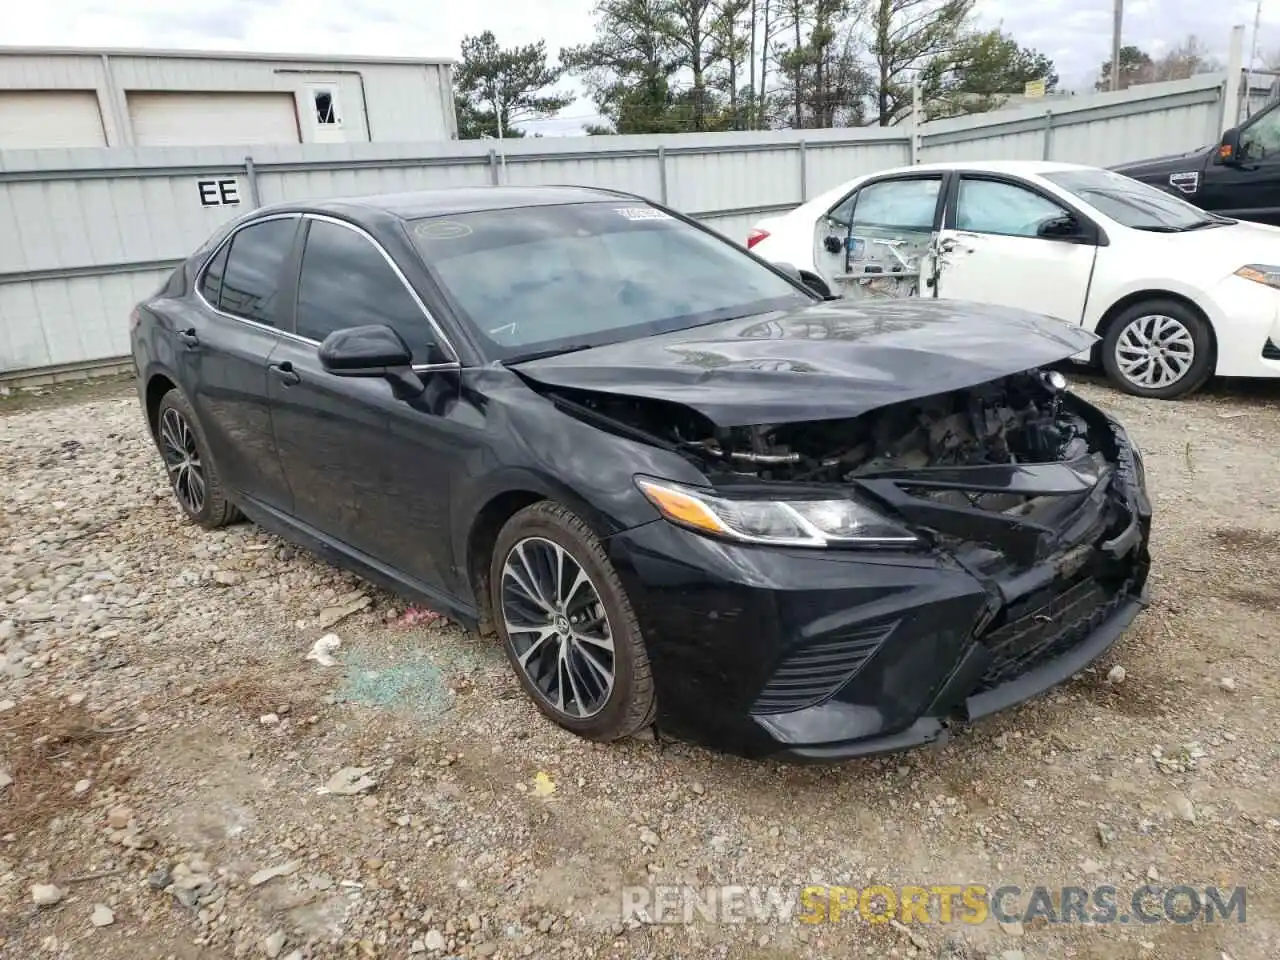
column 567, row 626
column 1159, row 349
column 192, row 473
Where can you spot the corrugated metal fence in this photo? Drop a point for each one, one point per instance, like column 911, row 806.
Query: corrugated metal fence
column 85, row 234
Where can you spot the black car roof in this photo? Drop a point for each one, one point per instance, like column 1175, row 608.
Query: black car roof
column 452, row 201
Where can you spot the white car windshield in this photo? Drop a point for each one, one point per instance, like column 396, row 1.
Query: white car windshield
column 1132, row 203
column 539, row 280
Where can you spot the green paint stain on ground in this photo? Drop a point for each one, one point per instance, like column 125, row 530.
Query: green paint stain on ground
column 414, row 684
column 407, row 679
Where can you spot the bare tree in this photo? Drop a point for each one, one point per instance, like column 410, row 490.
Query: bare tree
column 692, row 35
column 1270, row 60
column 908, row 37
column 751, row 60
column 767, row 28
column 729, row 37
column 1187, row 59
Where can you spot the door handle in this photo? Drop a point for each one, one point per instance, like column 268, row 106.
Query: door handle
column 285, row 372
column 189, row 337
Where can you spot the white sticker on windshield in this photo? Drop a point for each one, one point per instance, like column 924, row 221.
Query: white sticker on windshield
column 642, row 213
column 441, row 230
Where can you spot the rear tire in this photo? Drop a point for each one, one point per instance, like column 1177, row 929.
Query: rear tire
column 567, row 626
column 193, row 476
column 1159, row 349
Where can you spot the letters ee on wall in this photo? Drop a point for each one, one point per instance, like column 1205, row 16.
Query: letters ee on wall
column 219, row 192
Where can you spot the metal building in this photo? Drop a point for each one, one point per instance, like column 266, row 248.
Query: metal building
column 67, row 97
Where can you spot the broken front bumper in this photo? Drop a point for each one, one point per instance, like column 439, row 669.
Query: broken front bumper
column 832, row 654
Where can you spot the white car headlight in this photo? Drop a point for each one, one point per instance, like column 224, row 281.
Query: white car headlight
column 796, row 523
column 1263, row 273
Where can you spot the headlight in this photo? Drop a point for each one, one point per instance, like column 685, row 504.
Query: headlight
column 1261, row 273
column 796, row 523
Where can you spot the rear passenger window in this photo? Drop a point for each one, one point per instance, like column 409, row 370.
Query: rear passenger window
column 346, row 282
column 251, row 282
column 898, row 204
column 211, row 283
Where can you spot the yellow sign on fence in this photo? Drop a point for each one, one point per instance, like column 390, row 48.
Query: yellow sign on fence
column 1034, row 88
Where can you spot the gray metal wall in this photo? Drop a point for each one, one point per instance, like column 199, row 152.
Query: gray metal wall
column 383, row 101
column 1104, row 129
column 85, row 234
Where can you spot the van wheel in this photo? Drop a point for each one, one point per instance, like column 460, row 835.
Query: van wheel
column 1160, row 349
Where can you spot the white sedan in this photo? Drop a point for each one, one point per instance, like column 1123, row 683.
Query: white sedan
column 1176, row 294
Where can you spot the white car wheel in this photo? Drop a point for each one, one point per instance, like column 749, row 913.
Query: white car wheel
column 1160, row 349
column 1154, row 351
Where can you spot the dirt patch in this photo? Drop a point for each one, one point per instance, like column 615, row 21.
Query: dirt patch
column 1258, row 597
column 260, row 693
column 15, row 400
column 484, row 828
column 54, row 754
column 1249, row 543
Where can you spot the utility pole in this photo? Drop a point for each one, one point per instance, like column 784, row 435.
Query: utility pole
column 1253, row 60
column 1115, row 45
column 501, row 148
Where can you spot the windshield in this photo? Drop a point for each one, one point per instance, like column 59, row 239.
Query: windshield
column 1132, row 203
column 537, row 280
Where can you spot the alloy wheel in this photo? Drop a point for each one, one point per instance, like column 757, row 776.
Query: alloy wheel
column 558, row 628
column 182, row 459
column 1155, row 351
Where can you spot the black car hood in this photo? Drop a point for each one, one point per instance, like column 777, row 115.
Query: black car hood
column 1161, row 167
column 829, row 360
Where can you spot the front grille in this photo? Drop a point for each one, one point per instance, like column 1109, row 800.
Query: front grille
column 815, row 672
column 1048, row 631
column 979, row 500
column 1271, row 351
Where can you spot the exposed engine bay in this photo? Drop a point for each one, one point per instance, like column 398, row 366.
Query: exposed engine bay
column 1018, row 419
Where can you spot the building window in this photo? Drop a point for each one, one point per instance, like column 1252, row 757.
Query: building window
column 325, row 102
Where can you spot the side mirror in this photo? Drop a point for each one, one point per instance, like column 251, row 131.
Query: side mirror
column 790, row 269
column 804, row 277
column 1066, row 227
column 1229, row 148
column 374, row 350
column 817, row 285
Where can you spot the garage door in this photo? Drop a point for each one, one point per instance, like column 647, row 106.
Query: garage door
column 201, row 119
column 30, row 119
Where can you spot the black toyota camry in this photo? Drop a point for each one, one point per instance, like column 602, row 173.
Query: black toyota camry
column 681, row 486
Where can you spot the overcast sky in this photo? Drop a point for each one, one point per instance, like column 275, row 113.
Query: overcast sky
column 1075, row 33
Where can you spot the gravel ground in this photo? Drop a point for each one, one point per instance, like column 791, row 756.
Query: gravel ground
column 164, row 739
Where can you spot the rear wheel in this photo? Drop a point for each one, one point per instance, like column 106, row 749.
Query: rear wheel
column 192, row 473
column 567, row 625
column 1160, row 349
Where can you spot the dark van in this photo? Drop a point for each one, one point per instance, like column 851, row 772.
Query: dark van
column 1238, row 177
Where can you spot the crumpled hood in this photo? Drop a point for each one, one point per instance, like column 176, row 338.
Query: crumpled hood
column 829, row 360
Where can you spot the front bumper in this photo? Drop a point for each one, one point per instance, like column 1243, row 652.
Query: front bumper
column 1246, row 318
column 822, row 656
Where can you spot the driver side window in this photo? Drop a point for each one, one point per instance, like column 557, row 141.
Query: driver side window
column 346, row 282
column 1261, row 139
column 989, row 206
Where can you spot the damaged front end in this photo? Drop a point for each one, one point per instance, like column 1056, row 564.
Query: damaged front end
column 1013, row 464
column 1033, row 493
